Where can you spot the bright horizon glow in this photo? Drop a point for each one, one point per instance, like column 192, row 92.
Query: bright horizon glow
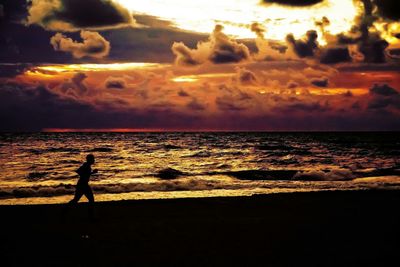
column 195, row 78
column 238, row 15
column 104, row 130
column 98, row 67
column 127, row 130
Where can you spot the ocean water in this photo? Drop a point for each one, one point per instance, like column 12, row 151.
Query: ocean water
column 40, row 167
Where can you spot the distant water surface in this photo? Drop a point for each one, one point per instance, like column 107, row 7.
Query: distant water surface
column 40, row 167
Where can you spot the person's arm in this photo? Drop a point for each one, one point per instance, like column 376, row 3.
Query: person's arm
column 79, row 170
column 95, row 171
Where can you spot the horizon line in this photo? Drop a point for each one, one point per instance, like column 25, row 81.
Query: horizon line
column 161, row 130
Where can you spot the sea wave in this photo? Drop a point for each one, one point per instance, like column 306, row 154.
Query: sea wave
column 262, row 174
column 336, row 174
column 68, row 189
column 194, row 184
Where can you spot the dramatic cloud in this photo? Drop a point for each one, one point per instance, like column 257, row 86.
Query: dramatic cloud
column 335, row 55
column 305, row 107
column 115, row 83
column 306, row 65
column 12, row 70
column 267, row 50
column 186, row 56
column 255, row 95
column 320, row 82
column 364, row 40
column 383, row 97
column 388, row 8
column 245, row 76
column 183, row 93
column 75, row 15
column 218, row 49
column 32, row 109
column 226, row 50
column 294, row 3
column 383, row 89
column 74, row 88
column 93, row 45
column 304, row 47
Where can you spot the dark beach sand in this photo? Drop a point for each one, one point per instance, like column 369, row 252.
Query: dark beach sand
column 312, row 229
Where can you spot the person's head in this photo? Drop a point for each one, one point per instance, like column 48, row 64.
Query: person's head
column 90, row 159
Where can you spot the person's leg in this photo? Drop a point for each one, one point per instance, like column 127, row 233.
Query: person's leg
column 78, row 194
column 89, row 195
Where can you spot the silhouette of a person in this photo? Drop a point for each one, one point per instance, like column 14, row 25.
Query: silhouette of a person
column 82, row 187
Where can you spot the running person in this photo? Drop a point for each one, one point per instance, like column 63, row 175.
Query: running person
column 82, row 187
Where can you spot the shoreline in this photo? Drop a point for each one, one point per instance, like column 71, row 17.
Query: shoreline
column 339, row 228
column 32, row 195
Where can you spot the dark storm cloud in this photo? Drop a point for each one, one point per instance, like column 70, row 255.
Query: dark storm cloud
column 369, row 46
column 383, row 97
column 335, row 55
column 335, row 52
column 183, row 93
column 31, row 109
column 22, row 43
column 73, row 15
column 383, row 89
column 305, row 107
column 320, row 82
column 19, row 43
column 115, row 83
column 36, row 108
column 93, row 45
column 294, row 3
column 388, row 8
column 147, row 44
column 304, row 47
column 374, row 50
column 12, row 70
column 226, row 50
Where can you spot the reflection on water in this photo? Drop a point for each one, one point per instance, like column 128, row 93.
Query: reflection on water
column 177, row 164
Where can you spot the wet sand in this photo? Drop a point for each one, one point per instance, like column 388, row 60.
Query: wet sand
column 360, row 228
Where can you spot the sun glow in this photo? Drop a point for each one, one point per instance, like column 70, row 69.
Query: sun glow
column 95, row 67
column 238, row 15
column 50, row 71
column 195, row 78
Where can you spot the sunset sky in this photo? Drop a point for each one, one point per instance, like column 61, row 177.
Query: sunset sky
column 237, row 65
